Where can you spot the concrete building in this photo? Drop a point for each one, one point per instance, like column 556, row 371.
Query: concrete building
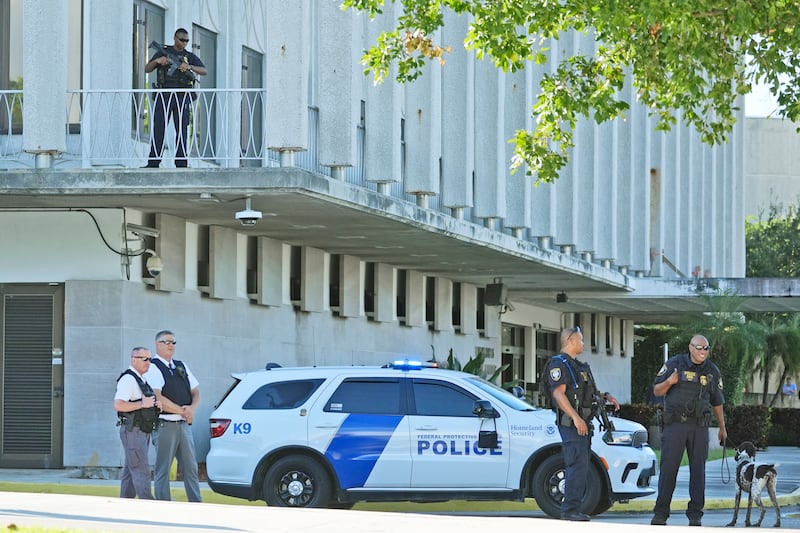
column 391, row 226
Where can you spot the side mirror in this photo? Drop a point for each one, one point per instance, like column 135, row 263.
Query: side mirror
column 484, row 409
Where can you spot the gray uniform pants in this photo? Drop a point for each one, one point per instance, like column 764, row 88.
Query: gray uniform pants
column 174, row 439
column 135, row 479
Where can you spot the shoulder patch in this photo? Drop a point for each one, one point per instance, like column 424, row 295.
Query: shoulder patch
column 555, row 374
column 662, row 370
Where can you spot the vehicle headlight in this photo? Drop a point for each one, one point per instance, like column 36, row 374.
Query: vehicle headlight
column 625, row 438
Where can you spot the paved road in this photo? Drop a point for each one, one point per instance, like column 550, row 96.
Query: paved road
column 91, row 513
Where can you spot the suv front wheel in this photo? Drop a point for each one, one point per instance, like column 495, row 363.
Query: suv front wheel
column 548, row 487
column 297, row 481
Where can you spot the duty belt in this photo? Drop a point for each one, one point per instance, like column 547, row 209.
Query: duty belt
column 674, row 418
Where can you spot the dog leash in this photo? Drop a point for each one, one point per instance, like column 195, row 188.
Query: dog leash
column 724, row 465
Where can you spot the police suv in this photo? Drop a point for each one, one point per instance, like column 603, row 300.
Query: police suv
column 332, row 436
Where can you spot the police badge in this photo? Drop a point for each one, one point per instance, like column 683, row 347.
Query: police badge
column 555, row 374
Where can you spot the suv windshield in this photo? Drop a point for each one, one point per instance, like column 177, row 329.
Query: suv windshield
column 502, row 395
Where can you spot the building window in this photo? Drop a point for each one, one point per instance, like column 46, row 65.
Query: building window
column 401, row 295
column 295, row 274
column 430, row 301
column 334, row 282
column 457, row 306
column 369, row 289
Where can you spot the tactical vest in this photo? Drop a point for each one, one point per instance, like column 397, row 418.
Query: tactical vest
column 178, row 80
column 144, row 418
column 690, row 398
column 176, row 382
column 581, row 394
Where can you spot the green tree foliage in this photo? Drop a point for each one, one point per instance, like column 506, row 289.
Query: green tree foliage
column 736, row 343
column 475, row 365
column 773, row 243
column 649, row 358
column 688, row 61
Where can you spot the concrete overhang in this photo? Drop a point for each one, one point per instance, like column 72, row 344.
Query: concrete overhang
column 303, row 208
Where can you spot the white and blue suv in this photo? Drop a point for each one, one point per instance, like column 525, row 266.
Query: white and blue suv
column 332, row 436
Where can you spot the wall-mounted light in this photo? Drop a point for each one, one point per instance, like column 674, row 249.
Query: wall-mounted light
column 561, row 298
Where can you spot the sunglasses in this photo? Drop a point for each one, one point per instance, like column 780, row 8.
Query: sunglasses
column 169, row 342
column 576, row 329
column 183, row 40
column 701, row 347
column 142, row 358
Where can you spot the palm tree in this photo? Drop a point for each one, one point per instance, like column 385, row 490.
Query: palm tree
column 782, row 350
column 735, row 341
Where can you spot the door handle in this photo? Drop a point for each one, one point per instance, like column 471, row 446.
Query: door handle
column 326, row 426
column 426, row 428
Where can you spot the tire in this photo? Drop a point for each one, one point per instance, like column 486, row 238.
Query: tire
column 297, row 481
column 548, row 487
column 602, row 507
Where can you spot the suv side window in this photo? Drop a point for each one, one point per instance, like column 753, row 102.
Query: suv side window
column 283, row 394
column 439, row 398
column 379, row 396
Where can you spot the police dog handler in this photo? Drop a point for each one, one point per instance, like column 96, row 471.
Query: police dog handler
column 693, row 388
column 574, row 399
column 177, row 389
column 137, row 411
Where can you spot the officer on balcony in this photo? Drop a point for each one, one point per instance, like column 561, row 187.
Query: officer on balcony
column 174, row 105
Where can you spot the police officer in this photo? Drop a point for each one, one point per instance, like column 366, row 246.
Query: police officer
column 173, row 104
column 574, row 399
column 692, row 387
column 137, row 412
column 177, row 388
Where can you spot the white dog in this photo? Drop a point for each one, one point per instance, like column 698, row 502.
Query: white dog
column 752, row 478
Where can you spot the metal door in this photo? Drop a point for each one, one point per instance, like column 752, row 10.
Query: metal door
column 31, row 376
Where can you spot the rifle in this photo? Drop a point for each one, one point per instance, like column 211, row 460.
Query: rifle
column 605, row 422
column 174, row 59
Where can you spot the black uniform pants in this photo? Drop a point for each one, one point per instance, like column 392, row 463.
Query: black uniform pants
column 175, row 106
column 675, row 438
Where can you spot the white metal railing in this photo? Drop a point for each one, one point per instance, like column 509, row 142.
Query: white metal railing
column 225, row 127
column 10, row 124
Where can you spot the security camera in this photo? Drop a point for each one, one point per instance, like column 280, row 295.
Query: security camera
column 248, row 217
column 154, row 265
column 142, row 231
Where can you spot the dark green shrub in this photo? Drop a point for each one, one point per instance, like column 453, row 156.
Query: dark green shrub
column 748, row 422
column 784, row 427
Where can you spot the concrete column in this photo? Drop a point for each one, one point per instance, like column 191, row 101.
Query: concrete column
column 424, row 132
column 382, row 150
column 105, row 116
column 490, row 186
column 44, row 71
column 351, row 287
column 171, row 248
column 288, row 63
column 415, row 299
column 518, row 184
column 492, row 322
column 314, row 280
column 339, row 107
column 443, row 308
column 469, row 309
column 602, row 348
column 458, row 115
column 222, row 263
column 270, row 271
column 616, row 323
column 385, row 290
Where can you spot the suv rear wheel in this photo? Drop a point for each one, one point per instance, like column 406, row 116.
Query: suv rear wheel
column 297, row 481
column 548, row 487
